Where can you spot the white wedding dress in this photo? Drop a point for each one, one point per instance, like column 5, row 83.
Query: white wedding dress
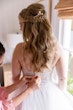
column 48, row 96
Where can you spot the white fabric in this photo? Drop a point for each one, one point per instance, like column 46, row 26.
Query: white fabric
column 48, row 96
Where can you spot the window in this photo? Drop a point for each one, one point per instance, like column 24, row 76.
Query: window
column 66, row 39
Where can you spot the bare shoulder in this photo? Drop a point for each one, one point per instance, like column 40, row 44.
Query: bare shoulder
column 18, row 49
column 19, row 46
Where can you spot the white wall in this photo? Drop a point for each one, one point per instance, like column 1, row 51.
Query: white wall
column 9, row 10
column 54, row 19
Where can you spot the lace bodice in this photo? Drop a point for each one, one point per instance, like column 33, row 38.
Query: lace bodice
column 45, row 75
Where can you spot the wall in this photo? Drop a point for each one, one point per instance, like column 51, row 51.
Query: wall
column 9, row 25
column 54, row 18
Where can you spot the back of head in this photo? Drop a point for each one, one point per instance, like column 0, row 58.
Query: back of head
column 37, row 34
column 33, row 12
column 2, row 49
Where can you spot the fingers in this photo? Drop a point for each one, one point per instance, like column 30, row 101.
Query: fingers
column 25, row 79
column 34, row 83
column 29, row 77
column 35, row 77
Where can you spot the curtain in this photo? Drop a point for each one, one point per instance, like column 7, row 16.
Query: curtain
column 65, row 9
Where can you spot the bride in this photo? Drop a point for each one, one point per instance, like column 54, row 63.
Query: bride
column 38, row 55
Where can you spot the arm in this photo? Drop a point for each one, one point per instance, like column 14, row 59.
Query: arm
column 16, row 67
column 33, row 85
column 18, row 84
column 61, row 70
column 15, row 86
column 11, row 104
column 17, row 100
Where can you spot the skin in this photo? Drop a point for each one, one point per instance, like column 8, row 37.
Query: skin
column 22, row 82
column 58, row 63
column 1, row 59
column 33, row 85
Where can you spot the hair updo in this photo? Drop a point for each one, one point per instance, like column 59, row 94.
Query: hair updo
column 33, row 13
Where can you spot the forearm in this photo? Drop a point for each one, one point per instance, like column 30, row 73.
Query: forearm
column 15, row 86
column 17, row 100
column 62, row 74
column 33, row 85
column 62, row 83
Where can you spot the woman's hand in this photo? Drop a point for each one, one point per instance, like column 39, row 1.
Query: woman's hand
column 34, row 83
column 26, row 78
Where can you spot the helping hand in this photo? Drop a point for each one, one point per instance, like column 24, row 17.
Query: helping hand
column 34, row 83
column 27, row 78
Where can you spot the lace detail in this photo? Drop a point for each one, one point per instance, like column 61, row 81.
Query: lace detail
column 45, row 75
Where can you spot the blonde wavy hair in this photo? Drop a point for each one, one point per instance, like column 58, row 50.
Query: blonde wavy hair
column 37, row 33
